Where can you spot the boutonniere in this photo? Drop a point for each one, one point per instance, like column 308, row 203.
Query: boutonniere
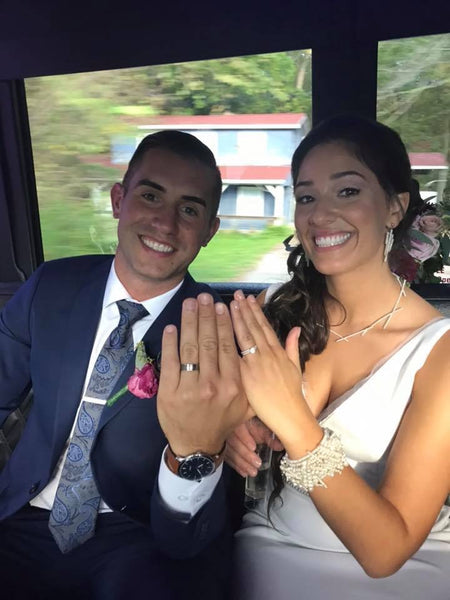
column 144, row 381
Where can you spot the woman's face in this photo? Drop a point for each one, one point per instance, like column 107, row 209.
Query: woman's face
column 341, row 210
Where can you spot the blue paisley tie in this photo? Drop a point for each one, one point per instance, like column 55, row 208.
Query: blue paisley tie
column 74, row 512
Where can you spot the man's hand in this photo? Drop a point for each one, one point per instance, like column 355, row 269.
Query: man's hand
column 241, row 445
column 199, row 409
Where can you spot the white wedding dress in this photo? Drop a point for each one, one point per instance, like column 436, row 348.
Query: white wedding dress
column 298, row 556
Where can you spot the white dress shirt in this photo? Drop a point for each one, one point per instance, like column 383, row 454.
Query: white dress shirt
column 179, row 494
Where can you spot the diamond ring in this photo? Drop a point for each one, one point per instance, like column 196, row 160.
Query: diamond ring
column 251, row 350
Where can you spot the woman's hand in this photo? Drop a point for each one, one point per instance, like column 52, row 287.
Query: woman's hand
column 272, row 378
column 241, row 445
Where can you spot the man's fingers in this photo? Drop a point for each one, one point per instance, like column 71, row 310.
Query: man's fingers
column 207, row 335
column 228, row 355
column 243, row 460
column 170, row 363
column 189, row 335
column 244, row 436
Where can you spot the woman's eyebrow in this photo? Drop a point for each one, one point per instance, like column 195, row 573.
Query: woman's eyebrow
column 300, row 183
column 345, row 173
column 338, row 175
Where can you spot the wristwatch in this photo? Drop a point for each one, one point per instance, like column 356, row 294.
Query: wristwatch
column 195, row 466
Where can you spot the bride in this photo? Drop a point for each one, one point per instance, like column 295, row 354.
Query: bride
column 353, row 377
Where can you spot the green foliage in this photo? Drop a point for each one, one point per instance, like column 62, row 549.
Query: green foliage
column 414, row 91
column 75, row 116
column 263, row 83
column 231, row 254
column 73, row 228
column 445, row 249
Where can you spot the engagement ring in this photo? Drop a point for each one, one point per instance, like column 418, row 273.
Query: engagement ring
column 251, row 350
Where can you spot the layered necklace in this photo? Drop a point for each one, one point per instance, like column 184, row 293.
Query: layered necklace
column 387, row 317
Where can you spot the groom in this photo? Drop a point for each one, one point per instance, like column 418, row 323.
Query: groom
column 98, row 500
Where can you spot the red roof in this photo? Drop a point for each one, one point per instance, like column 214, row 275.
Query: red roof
column 220, row 121
column 427, row 159
column 257, row 173
column 254, row 173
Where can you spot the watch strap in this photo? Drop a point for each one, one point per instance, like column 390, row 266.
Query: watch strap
column 174, row 462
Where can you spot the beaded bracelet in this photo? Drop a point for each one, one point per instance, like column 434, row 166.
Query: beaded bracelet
column 327, row 459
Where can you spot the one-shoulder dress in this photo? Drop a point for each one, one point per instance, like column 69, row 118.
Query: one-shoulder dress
column 296, row 555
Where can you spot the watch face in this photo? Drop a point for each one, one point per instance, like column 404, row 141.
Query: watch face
column 196, row 467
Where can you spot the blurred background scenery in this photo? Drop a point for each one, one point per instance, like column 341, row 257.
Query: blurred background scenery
column 252, row 111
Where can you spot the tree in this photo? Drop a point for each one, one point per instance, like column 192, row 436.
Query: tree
column 414, row 91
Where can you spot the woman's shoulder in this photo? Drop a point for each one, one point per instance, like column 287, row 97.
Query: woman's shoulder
column 421, row 308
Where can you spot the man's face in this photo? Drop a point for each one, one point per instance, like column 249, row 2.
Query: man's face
column 164, row 219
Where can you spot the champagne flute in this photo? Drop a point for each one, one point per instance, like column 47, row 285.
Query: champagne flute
column 256, row 487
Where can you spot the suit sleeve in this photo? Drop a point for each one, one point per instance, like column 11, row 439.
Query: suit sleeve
column 15, row 347
column 179, row 535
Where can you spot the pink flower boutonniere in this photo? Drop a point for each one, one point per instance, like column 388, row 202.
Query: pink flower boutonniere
column 144, row 381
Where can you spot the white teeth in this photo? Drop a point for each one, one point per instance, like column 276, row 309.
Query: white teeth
column 331, row 240
column 156, row 246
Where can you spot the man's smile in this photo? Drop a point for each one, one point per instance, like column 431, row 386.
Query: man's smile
column 157, row 246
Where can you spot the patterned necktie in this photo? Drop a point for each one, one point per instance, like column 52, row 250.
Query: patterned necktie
column 74, row 512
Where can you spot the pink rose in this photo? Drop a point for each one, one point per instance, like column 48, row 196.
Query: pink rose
column 423, row 250
column 143, row 383
column 429, row 224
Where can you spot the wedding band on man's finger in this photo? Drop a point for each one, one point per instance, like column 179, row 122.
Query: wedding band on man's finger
column 189, row 367
column 251, row 350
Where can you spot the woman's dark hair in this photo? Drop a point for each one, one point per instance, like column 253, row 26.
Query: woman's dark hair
column 301, row 301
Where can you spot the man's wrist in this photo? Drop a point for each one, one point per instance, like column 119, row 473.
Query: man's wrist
column 175, row 462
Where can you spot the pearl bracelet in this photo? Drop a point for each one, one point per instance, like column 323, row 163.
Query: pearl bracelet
column 327, row 459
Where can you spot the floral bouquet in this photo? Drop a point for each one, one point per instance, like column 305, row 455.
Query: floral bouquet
column 425, row 250
column 144, row 381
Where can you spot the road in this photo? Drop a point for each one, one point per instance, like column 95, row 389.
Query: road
column 270, row 269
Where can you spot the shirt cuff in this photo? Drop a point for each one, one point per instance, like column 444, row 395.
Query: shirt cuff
column 182, row 495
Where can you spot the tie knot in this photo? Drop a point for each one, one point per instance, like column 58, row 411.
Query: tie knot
column 130, row 312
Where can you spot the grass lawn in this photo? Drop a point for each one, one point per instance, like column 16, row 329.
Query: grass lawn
column 71, row 229
column 231, row 254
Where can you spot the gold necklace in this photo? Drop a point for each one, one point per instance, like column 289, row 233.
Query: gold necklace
column 387, row 317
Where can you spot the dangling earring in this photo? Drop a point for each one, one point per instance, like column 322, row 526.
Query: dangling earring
column 299, row 258
column 388, row 243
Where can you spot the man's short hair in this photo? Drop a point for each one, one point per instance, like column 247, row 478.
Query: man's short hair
column 185, row 145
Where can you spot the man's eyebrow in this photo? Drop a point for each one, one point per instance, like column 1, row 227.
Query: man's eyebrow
column 334, row 176
column 160, row 188
column 152, row 184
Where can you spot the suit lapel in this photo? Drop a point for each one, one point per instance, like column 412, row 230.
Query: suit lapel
column 152, row 340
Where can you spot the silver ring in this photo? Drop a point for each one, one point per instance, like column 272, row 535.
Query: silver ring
column 251, row 350
column 189, row 367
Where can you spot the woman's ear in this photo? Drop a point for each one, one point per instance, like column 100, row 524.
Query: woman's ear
column 399, row 206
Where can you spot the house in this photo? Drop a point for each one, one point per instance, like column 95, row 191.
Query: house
column 434, row 169
column 253, row 152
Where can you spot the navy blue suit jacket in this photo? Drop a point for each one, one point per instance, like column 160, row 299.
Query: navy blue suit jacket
column 46, row 335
